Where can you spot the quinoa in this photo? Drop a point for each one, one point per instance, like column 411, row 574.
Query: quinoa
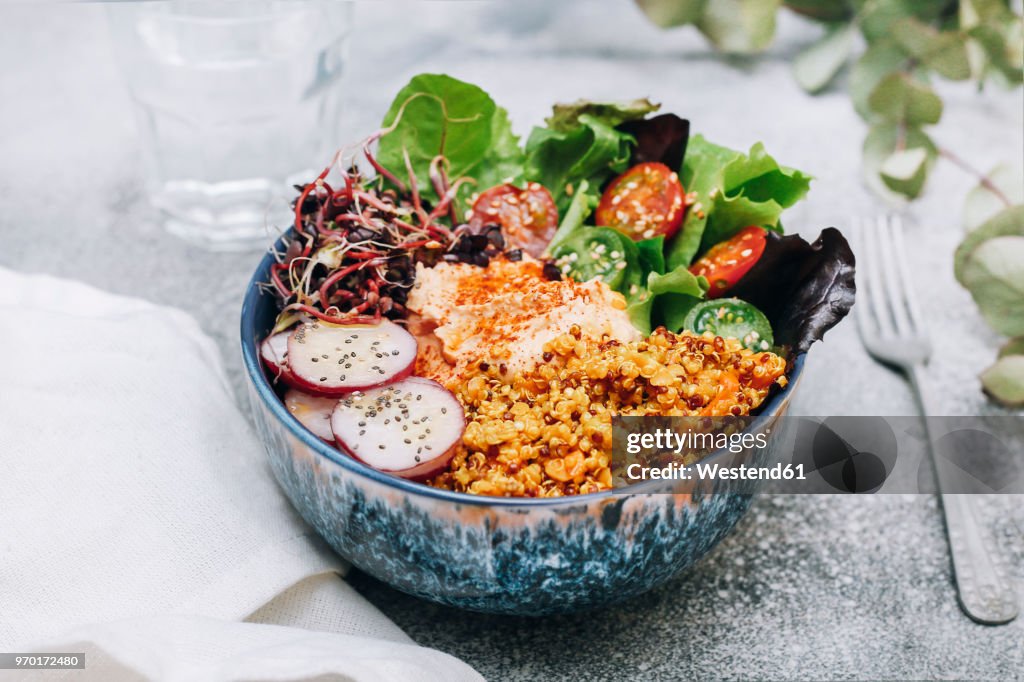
column 547, row 432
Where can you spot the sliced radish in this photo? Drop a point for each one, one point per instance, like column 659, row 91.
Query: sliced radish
column 332, row 360
column 409, row 428
column 274, row 353
column 313, row 412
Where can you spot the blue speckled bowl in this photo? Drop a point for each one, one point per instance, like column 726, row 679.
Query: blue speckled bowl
column 500, row 555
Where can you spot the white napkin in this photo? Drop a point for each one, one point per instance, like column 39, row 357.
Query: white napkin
column 131, row 487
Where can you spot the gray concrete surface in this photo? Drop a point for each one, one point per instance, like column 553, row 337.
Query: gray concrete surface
column 807, row 587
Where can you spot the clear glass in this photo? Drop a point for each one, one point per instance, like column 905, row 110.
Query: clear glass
column 237, row 100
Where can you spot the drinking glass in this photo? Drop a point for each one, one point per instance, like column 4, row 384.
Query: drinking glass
column 236, row 100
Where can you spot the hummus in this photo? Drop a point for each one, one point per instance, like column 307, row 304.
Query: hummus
column 505, row 313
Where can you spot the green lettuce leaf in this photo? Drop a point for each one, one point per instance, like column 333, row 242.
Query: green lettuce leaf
column 733, row 190
column 580, row 207
column 441, row 115
column 652, row 254
column 581, row 143
column 677, row 292
column 639, row 298
column 755, row 190
column 566, row 117
column 702, row 176
column 592, row 151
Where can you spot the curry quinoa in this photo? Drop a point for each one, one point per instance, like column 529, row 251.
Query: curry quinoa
column 547, row 432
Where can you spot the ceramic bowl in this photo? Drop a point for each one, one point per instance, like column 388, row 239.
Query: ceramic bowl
column 499, row 555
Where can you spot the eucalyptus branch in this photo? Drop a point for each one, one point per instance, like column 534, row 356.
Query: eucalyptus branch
column 982, row 178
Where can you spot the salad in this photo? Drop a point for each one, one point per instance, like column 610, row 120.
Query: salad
column 469, row 310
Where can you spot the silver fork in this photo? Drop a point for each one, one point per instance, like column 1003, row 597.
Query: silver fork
column 894, row 333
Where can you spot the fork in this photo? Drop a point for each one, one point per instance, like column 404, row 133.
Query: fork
column 894, row 333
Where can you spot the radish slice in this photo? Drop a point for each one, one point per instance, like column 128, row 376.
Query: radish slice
column 312, row 411
column 409, row 428
column 274, row 353
column 332, row 360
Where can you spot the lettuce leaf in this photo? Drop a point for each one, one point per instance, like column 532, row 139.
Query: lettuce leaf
column 441, row 115
column 703, row 174
column 755, row 190
column 665, row 294
column 565, row 117
column 591, row 152
column 804, row 289
column 733, row 190
column 581, row 143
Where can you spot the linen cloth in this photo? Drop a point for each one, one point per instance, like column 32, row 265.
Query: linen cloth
column 138, row 517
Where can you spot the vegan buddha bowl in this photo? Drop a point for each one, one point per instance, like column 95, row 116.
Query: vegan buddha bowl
column 437, row 346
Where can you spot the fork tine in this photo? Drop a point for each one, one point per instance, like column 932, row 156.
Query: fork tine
column 880, row 307
column 862, row 305
column 896, row 286
column 916, row 319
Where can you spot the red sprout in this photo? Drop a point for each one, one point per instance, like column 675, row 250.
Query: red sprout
column 333, row 319
column 381, row 170
column 276, row 277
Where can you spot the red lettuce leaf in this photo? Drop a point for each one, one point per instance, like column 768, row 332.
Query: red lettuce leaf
column 804, row 289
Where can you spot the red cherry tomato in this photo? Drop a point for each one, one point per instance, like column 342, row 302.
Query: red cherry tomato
column 645, row 201
column 528, row 216
column 725, row 263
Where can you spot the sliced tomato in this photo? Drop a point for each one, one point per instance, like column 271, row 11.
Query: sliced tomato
column 528, row 216
column 725, row 263
column 645, row 201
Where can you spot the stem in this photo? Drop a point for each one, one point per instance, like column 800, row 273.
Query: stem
column 984, row 179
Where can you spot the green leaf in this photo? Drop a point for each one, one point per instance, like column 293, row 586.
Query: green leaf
column 589, row 150
column 639, row 311
column 898, row 98
column 878, row 61
column 756, row 190
column 739, row 26
column 996, row 38
column 566, row 117
column 822, row 10
column 1004, row 381
column 652, row 254
column 994, row 274
column 982, row 203
column 679, row 292
column 882, row 142
column 904, row 171
column 732, row 190
column 582, row 205
column 729, row 215
column 759, row 177
column 878, row 16
column 669, row 13
column 1007, row 223
column 677, row 281
column 945, row 52
column 1001, row 50
column 702, row 176
column 1012, row 347
column 818, row 64
column 444, row 116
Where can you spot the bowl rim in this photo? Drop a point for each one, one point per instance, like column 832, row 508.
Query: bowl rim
column 259, row 382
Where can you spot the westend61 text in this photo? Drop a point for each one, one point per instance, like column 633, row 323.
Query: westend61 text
column 710, row 472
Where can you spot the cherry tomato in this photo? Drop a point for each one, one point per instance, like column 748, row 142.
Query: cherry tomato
column 725, row 264
column 645, row 201
column 527, row 216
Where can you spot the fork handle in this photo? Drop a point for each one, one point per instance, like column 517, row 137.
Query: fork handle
column 985, row 594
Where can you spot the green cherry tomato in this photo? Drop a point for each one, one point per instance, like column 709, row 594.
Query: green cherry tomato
column 734, row 319
column 597, row 252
